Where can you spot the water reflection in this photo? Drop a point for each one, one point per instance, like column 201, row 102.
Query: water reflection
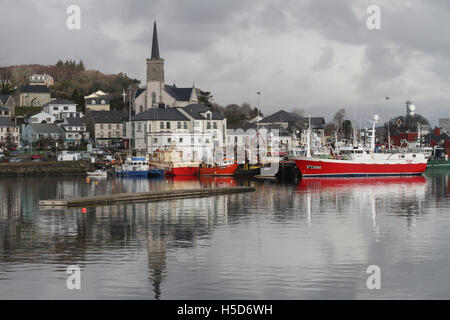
column 218, row 247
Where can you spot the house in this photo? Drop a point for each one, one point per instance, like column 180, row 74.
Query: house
column 97, row 104
column 195, row 130
column 5, row 112
column 156, row 92
column 32, row 96
column 9, row 133
column 34, row 132
column 41, row 80
column 285, row 119
column 98, row 101
column 61, row 109
column 105, row 127
column 41, row 117
column 75, row 131
column 7, row 101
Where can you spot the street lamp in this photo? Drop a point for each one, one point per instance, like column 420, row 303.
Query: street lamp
column 259, row 94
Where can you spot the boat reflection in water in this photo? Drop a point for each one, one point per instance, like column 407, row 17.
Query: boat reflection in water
column 368, row 183
column 403, row 196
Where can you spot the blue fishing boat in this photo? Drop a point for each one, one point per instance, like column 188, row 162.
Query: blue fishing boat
column 134, row 167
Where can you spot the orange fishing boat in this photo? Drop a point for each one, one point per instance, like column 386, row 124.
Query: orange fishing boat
column 226, row 168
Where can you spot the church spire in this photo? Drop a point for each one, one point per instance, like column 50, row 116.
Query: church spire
column 155, row 45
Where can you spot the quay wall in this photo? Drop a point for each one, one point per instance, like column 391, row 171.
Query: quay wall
column 50, row 168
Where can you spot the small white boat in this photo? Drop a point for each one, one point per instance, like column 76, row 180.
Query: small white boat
column 98, row 173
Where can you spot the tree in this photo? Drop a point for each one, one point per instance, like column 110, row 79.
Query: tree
column 406, row 123
column 298, row 111
column 347, row 129
column 336, row 125
column 6, row 80
column 205, row 98
column 246, row 110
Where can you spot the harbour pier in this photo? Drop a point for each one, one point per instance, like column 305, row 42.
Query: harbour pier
column 125, row 198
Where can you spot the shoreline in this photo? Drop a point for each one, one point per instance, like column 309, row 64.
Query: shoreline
column 46, row 168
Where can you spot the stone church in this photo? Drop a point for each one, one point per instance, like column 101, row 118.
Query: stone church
column 156, row 93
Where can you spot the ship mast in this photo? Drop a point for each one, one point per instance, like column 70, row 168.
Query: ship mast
column 372, row 133
column 308, row 139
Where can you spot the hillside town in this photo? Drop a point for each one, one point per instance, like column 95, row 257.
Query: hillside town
column 159, row 117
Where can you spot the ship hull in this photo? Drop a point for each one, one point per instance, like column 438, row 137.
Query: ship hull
column 310, row 167
column 183, row 171
column 226, row 170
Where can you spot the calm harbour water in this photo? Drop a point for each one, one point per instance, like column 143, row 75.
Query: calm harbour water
column 313, row 240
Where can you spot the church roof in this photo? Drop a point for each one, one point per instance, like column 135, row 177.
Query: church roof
column 138, row 92
column 171, row 114
column 180, row 94
column 155, row 44
column 196, row 110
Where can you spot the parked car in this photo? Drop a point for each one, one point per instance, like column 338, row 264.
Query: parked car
column 4, row 159
column 15, row 160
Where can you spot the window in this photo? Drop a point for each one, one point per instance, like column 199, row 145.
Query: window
column 181, row 140
column 208, row 116
column 101, row 126
column 66, row 108
column 55, row 108
column 155, row 140
column 168, row 125
column 208, row 125
column 192, row 140
column 179, row 125
column 161, row 125
column 93, row 102
column 185, row 125
column 118, row 126
column 169, row 140
column 109, row 126
column 215, row 125
column 103, row 102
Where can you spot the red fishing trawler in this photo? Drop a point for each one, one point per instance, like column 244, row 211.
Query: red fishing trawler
column 361, row 161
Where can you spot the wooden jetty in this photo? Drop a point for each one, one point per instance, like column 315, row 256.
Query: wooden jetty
column 125, row 198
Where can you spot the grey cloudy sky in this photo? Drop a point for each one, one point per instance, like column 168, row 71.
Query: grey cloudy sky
column 317, row 55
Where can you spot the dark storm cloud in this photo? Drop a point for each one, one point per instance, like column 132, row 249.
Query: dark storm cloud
column 299, row 53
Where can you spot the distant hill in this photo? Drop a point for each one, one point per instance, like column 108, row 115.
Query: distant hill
column 72, row 81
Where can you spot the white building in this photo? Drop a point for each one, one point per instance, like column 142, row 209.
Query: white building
column 59, row 107
column 195, row 130
column 41, row 117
